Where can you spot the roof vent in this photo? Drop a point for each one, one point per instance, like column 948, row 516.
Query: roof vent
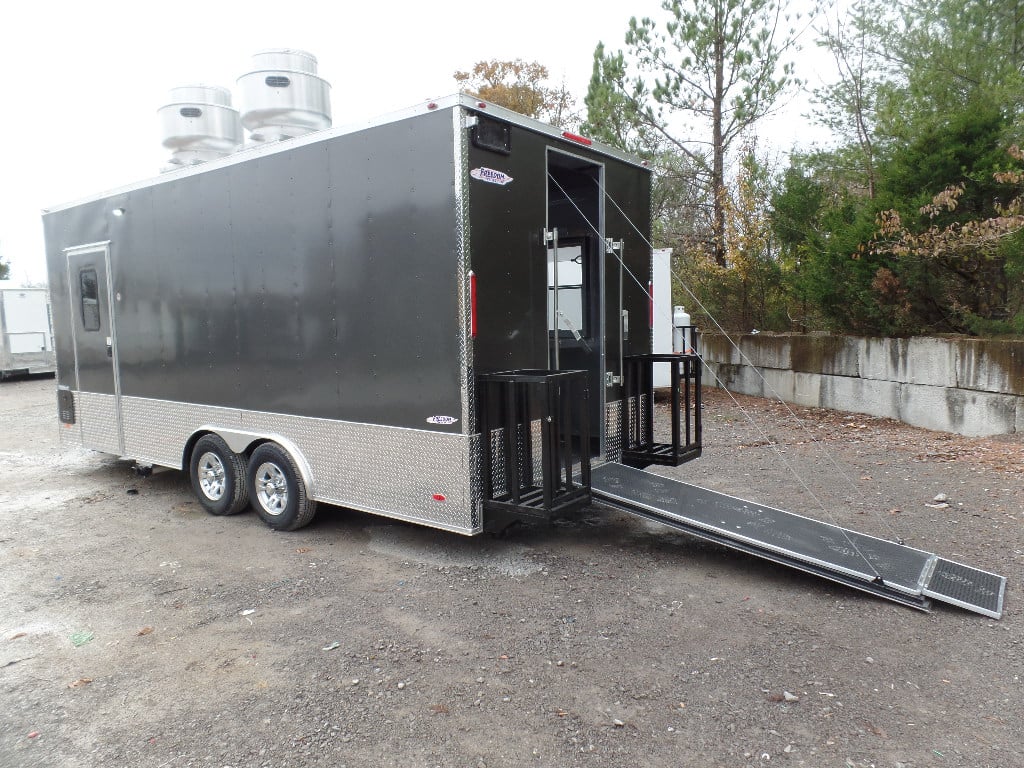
column 199, row 125
column 283, row 97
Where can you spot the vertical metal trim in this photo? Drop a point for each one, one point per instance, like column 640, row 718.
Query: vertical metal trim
column 115, row 355
column 553, row 320
column 463, row 267
column 460, row 161
column 622, row 321
column 602, row 403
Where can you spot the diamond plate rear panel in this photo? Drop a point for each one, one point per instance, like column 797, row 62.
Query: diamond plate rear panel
column 967, row 587
column 98, row 416
column 613, row 430
column 497, row 443
column 416, row 475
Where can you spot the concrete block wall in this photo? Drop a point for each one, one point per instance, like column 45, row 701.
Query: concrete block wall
column 968, row 386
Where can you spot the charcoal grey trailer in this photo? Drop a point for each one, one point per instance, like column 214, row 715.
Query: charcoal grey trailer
column 443, row 316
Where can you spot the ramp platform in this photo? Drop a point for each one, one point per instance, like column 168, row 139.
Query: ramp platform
column 896, row 572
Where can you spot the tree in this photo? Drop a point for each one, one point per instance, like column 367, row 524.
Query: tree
column 720, row 62
column 616, row 115
column 849, row 106
column 520, row 86
column 5, row 269
column 940, row 57
column 965, row 260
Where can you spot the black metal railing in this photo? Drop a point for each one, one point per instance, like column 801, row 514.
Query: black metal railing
column 535, row 431
column 639, row 445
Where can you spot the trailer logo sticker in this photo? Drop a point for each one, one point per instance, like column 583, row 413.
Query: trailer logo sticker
column 441, row 420
column 491, row 176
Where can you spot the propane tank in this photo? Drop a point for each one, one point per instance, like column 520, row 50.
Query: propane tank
column 682, row 332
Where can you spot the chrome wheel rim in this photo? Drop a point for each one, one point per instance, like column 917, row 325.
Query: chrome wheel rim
column 271, row 488
column 212, row 476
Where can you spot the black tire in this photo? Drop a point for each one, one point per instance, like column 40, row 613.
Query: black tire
column 276, row 489
column 218, row 477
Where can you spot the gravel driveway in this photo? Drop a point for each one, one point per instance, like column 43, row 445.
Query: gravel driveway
column 137, row 631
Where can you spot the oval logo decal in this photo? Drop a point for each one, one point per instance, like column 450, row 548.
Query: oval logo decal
column 441, row 420
column 491, row 176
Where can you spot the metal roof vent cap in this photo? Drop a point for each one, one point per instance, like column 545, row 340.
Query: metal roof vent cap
column 283, row 97
column 199, row 125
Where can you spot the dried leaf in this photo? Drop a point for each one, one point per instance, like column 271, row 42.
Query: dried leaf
column 80, row 682
column 303, row 550
column 439, row 709
column 20, row 634
column 144, row 631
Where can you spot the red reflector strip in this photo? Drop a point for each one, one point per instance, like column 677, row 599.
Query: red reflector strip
column 440, row 497
column 577, row 138
column 650, row 303
column 472, row 304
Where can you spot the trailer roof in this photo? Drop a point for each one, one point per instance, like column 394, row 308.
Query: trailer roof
column 449, row 102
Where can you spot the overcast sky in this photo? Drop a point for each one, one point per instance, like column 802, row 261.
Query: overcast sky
column 82, row 80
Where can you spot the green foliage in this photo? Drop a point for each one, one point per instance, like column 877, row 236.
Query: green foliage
column 716, row 64
column 912, row 224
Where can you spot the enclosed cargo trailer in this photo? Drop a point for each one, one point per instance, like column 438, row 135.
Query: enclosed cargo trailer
column 26, row 332
column 444, row 316
column 336, row 297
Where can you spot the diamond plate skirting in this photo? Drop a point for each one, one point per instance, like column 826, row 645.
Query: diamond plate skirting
column 97, row 417
column 416, row 475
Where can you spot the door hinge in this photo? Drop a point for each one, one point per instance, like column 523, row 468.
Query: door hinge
column 611, row 380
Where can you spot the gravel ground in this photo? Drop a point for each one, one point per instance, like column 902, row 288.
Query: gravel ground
column 137, row 631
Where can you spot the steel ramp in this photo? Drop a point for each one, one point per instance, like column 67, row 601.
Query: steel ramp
column 896, row 572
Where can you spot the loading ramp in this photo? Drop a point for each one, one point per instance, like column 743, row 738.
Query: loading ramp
column 887, row 569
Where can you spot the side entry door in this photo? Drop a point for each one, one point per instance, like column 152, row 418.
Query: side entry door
column 95, row 344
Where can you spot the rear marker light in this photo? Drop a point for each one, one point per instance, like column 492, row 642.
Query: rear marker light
column 577, row 138
column 440, row 497
column 432, row 105
column 482, row 104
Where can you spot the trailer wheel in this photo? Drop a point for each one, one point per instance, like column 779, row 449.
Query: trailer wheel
column 277, row 490
column 218, row 476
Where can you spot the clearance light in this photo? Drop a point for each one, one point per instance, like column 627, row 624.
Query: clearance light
column 577, row 138
column 439, row 497
column 482, row 104
column 432, row 105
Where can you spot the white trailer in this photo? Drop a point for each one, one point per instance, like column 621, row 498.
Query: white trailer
column 26, row 331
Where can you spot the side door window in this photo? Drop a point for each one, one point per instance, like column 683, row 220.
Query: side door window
column 89, row 293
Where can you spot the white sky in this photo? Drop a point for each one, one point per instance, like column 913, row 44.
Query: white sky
column 81, row 80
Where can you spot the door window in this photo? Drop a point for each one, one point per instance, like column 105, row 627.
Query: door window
column 89, row 290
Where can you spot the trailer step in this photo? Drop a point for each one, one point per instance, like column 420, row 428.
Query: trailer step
column 896, row 572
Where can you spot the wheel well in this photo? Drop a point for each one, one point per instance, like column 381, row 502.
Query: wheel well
column 190, row 444
column 186, row 454
column 251, row 441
